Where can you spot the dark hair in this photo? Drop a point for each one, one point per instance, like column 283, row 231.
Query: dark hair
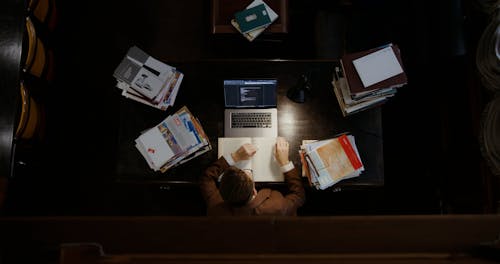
column 236, row 187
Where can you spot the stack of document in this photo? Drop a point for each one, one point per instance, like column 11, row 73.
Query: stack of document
column 147, row 80
column 176, row 140
column 254, row 19
column 327, row 162
column 368, row 78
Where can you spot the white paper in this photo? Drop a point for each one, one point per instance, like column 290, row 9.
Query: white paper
column 265, row 166
column 377, row 66
column 263, row 163
column 155, row 147
column 147, row 83
column 164, row 71
column 181, row 134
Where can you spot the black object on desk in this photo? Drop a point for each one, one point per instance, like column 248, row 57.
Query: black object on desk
column 298, row 92
column 319, row 117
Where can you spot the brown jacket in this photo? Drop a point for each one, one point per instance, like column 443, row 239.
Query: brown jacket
column 266, row 202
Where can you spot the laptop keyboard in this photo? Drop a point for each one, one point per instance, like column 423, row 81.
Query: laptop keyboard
column 258, row 120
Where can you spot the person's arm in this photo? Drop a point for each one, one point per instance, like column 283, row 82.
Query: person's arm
column 208, row 181
column 296, row 197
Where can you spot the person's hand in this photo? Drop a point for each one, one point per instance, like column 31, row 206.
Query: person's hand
column 246, row 151
column 281, row 153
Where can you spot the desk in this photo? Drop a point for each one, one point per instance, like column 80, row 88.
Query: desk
column 201, row 91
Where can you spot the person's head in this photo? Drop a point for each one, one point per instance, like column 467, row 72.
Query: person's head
column 236, row 186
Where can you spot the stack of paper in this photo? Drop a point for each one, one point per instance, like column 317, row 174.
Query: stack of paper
column 177, row 139
column 253, row 20
column 147, row 80
column 368, row 78
column 327, row 162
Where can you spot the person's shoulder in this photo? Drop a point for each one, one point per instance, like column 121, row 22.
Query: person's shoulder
column 265, row 192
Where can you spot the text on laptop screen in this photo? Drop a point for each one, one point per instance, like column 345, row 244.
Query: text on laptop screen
column 250, row 93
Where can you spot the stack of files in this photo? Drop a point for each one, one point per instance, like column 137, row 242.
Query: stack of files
column 176, row 140
column 368, row 78
column 254, row 19
column 327, row 162
column 147, row 80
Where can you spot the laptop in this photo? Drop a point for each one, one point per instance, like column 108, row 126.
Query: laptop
column 250, row 108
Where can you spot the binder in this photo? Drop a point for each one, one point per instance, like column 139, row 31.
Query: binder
column 355, row 84
column 252, row 18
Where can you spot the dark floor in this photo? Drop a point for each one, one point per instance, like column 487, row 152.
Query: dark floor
column 432, row 159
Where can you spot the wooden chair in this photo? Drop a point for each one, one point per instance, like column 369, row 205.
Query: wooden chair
column 30, row 125
column 38, row 59
column 44, row 11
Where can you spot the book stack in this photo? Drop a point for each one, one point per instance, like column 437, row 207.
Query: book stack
column 147, row 80
column 327, row 162
column 368, row 78
column 176, row 140
column 254, row 19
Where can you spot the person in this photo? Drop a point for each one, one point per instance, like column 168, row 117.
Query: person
column 228, row 190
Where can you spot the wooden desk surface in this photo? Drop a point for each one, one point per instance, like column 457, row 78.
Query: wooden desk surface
column 201, row 91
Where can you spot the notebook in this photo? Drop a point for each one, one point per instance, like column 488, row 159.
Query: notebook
column 250, row 108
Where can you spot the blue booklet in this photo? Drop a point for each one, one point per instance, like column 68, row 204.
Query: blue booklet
column 252, row 18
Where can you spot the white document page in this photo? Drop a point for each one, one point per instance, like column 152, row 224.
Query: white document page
column 155, row 147
column 377, row 66
column 226, row 146
column 265, row 166
column 164, row 71
column 182, row 135
column 263, row 163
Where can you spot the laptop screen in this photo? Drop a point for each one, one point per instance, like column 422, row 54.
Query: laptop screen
column 250, row 93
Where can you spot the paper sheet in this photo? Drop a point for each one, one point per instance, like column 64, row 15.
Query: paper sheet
column 377, row 66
